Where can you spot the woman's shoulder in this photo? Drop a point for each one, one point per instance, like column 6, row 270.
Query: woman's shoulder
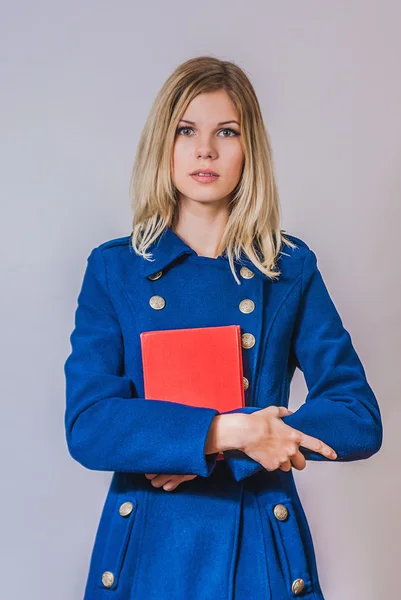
column 299, row 250
column 297, row 241
column 113, row 242
column 115, row 252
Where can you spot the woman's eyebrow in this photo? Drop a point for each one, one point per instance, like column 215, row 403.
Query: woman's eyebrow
column 221, row 122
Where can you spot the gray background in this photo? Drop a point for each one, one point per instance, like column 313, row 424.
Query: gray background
column 77, row 81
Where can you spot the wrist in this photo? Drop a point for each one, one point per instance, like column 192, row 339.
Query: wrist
column 227, row 432
column 244, row 431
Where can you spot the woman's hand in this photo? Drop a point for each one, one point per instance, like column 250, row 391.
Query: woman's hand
column 274, row 444
column 169, row 482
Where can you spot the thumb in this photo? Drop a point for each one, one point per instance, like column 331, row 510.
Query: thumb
column 284, row 411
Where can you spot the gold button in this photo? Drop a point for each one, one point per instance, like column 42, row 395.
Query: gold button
column 247, row 306
column 246, row 273
column 125, row 509
column 155, row 275
column 247, row 340
column 280, row 512
column 108, row 579
column 297, row 586
column 246, row 383
column 157, row 302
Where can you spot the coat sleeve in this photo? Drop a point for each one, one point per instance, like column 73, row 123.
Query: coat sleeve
column 340, row 408
column 107, row 427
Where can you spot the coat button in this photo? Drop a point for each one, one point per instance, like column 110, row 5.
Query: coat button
column 155, row 275
column 246, row 273
column 157, row 302
column 108, row 579
column 297, row 586
column 247, row 306
column 247, row 340
column 246, row 383
column 125, row 509
column 280, row 512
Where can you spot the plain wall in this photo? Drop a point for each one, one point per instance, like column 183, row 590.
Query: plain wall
column 77, row 82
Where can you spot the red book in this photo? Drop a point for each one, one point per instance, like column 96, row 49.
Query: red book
column 200, row 366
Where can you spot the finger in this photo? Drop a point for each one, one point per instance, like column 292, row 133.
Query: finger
column 316, row 445
column 176, row 480
column 286, row 466
column 150, row 475
column 170, row 486
column 283, row 411
column 160, row 480
column 298, row 461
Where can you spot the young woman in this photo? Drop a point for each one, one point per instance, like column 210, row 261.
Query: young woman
column 206, row 249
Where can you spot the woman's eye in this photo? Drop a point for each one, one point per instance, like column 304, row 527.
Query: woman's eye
column 232, row 131
column 180, row 129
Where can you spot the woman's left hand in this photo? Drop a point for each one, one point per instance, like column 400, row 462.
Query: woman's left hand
column 169, row 482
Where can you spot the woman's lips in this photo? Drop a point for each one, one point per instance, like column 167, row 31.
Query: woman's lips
column 205, row 178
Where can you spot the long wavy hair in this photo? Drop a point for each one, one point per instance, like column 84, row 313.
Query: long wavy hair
column 253, row 225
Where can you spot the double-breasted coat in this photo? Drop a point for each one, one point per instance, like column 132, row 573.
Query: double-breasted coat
column 236, row 531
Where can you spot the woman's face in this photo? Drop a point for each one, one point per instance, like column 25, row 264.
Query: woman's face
column 208, row 137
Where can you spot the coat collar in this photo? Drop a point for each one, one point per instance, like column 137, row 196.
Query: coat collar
column 169, row 247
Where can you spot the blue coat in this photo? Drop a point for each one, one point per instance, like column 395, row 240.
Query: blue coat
column 237, row 531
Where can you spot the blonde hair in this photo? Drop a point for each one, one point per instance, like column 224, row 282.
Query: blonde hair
column 254, row 215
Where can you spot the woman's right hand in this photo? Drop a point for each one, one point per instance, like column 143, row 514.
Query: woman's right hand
column 275, row 445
